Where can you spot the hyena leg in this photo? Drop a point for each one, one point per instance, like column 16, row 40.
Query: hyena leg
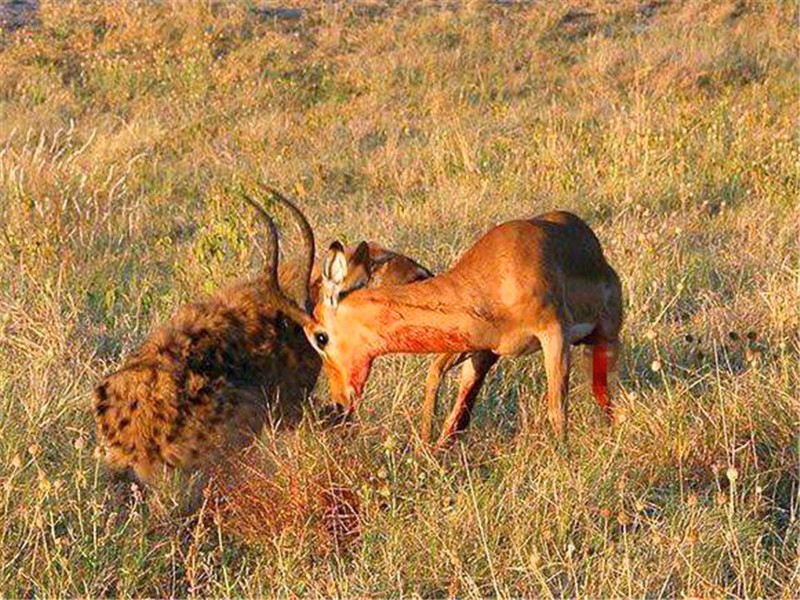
column 473, row 374
column 196, row 496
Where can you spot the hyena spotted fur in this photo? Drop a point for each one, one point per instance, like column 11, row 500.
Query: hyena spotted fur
column 206, row 382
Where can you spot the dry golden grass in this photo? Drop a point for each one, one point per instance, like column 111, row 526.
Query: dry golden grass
column 671, row 127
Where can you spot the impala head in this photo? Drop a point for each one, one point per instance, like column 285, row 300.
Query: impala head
column 341, row 343
column 339, row 340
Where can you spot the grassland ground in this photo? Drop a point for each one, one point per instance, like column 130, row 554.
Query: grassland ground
column 670, row 126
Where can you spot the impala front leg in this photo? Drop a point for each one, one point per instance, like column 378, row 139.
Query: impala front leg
column 473, row 374
column 439, row 367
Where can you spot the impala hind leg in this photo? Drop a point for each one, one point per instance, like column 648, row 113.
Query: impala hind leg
column 439, row 367
column 607, row 345
column 555, row 347
column 604, row 358
column 600, row 377
column 473, row 374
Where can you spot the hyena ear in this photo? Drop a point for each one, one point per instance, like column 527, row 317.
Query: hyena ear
column 334, row 270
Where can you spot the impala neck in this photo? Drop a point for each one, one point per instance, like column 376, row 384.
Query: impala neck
column 424, row 317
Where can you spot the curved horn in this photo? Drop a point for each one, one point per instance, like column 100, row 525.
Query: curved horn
column 272, row 256
column 308, row 238
column 283, row 303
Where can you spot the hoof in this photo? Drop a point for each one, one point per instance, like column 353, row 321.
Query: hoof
column 446, row 441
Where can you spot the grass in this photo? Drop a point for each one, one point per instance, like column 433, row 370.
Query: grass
column 671, row 127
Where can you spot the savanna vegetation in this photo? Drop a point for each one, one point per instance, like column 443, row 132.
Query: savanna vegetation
column 671, row 127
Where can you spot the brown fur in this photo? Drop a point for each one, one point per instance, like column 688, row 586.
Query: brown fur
column 526, row 285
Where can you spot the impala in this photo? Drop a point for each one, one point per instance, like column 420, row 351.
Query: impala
column 525, row 285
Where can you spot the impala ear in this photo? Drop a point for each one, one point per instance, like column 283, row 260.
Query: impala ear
column 334, row 270
column 361, row 257
column 359, row 270
column 335, row 266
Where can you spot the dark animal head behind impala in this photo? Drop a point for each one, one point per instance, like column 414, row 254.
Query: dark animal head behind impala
column 207, row 380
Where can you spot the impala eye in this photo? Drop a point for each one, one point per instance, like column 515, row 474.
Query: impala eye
column 322, row 339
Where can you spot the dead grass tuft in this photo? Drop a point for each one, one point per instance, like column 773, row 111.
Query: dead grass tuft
column 265, row 499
